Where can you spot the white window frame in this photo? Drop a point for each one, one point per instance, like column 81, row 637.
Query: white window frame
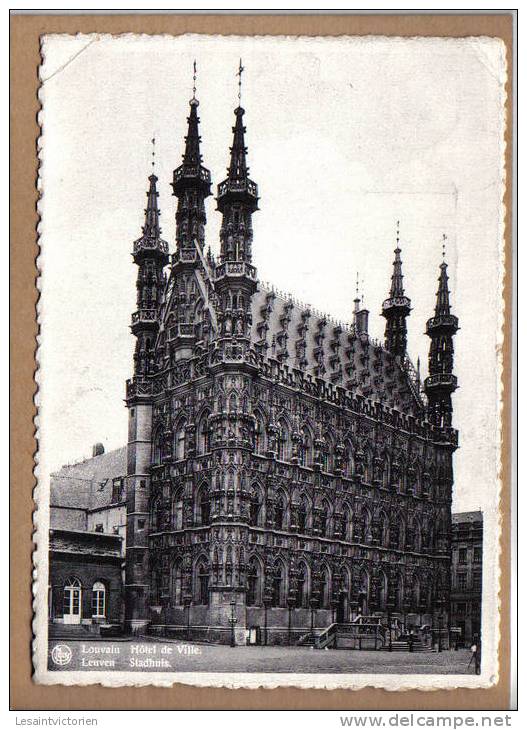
column 98, row 589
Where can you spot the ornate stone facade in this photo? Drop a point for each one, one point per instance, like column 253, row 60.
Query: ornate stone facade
column 284, row 470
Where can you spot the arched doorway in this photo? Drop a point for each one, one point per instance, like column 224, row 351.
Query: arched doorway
column 72, row 611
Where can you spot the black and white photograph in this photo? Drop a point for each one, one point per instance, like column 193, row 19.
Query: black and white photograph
column 269, row 361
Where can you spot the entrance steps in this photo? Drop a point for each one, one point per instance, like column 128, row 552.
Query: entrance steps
column 362, row 635
column 403, row 645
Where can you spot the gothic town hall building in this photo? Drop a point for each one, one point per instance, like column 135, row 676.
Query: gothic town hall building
column 284, row 472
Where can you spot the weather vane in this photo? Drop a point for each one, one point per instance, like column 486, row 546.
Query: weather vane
column 239, row 75
column 194, row 76
column 153, row 153
column 444, row 245
column 397, row 232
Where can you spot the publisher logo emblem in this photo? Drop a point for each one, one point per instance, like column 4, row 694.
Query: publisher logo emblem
column 61, row 655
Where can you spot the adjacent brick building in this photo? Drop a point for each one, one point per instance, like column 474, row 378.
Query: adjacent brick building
column 467, row 562
column 88, row 540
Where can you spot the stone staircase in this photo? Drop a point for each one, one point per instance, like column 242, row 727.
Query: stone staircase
column 364, row 633
column 404, row 645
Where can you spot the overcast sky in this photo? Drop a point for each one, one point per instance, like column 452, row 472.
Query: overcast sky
column 345, row 137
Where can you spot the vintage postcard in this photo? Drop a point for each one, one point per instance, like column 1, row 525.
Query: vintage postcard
column 269, row 364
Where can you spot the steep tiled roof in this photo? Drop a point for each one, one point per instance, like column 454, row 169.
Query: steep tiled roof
column 91, row 543
column 88, row 484
column 311, row 341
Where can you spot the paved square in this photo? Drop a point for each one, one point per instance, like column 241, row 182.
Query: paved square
column 164, row 656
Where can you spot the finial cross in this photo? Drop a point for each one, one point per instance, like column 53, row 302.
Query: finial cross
column 444, row 245
column 239, row 75
column 194, row 76
column 153, row 153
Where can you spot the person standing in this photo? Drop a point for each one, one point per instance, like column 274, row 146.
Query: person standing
column 476, row 653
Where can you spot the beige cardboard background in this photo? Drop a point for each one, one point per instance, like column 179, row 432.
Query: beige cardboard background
column 25, row 58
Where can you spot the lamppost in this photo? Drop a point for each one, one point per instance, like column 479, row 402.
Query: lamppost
column 267, row 602
column 187, row 606
column 291, row 601
column 233, row 621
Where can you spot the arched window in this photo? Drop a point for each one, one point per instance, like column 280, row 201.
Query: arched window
column 364, row 592
column 179, row 441
column 305, row 448
column 302, row 587
column 177, row 585
column 202, row 575
column 157, row 454
column 345, row 525
column 233, row 403
column 254, row 507
column 283, row 441
column 204, row 506
column 327, row 453
column 203, row 434
column 259, row 436
column 302, row 514
column 157, row 515
column 428, row 536
column 324, row 588
column 396, row 532
column 277, row 582
column 98, row 600
column 253, row 583
column 279, row 510
column 72, row 605
column 177, row 510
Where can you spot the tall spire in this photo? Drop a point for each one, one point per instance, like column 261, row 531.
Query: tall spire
column 191, row 184
column 396, row 308
column 192, row 156
column 151, row 238
column 237, row 201
column 150, row 253
column 238, row 169
column 441, row 328
column 237, row 197
column 397, row 289
column 442, row 297
column 151, row 227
